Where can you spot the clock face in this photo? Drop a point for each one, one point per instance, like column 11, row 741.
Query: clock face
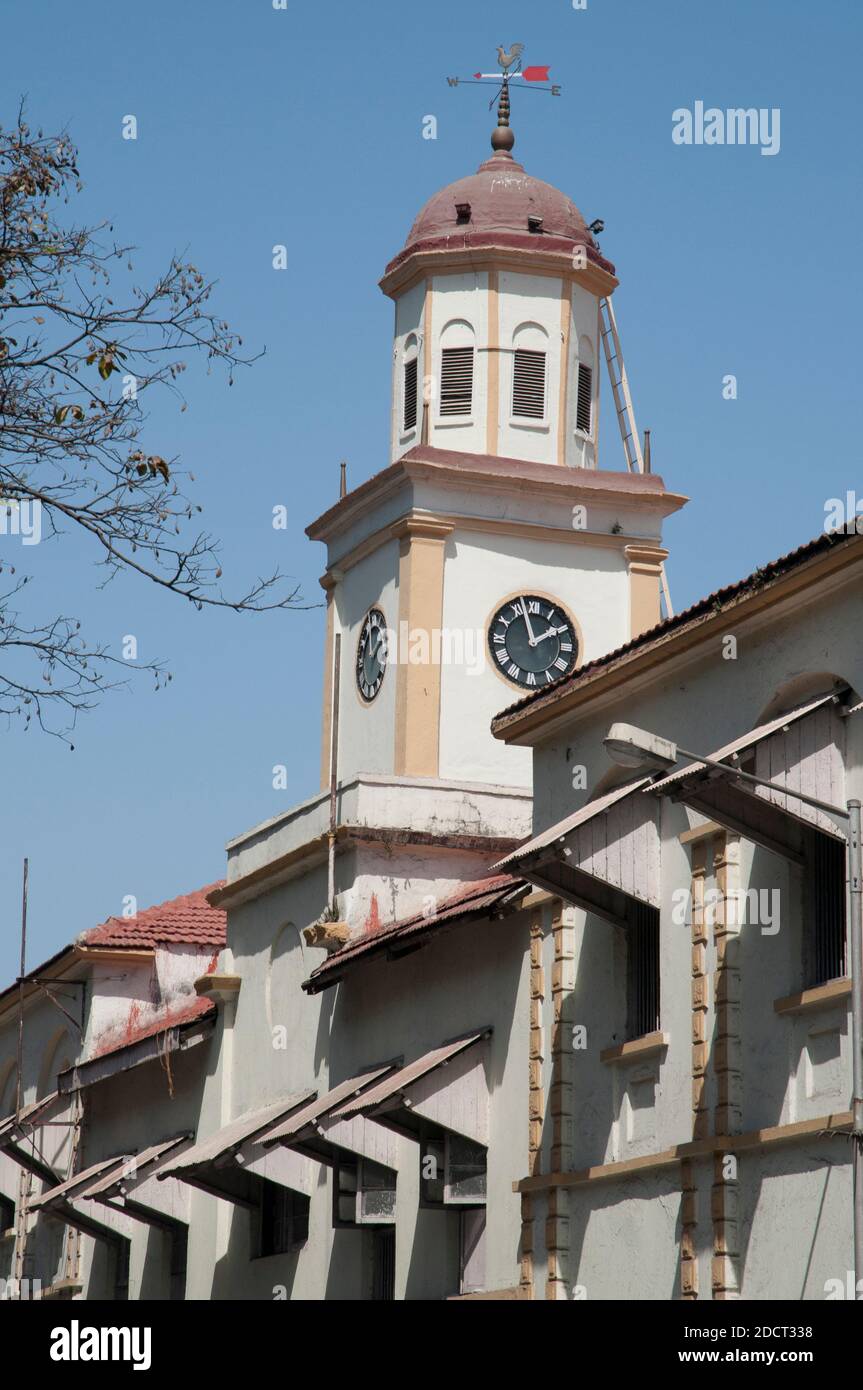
column 372, row 654
column 532, row 641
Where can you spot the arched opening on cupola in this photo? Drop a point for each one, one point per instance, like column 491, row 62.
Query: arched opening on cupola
column 410, row 387
column 528, row 402
column 585, row 403
column 456, row 379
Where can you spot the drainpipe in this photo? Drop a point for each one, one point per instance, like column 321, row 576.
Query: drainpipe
column 855, row 927
column 334, row 777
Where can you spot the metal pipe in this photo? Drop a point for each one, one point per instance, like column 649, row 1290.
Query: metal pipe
column 334, row 776
column 855, row 926
column 18, row 1086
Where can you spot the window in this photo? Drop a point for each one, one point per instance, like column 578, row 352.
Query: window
column 528, row 384
column 452, row 1170
column 284, row 1219
column 642, row 972
column 7, row 1214
column 364, row 1193
column 584, row 404
column 456, row 381
column 827, row 909
column 409, row 404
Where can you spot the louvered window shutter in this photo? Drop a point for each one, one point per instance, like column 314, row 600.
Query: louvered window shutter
column 410, row 395
column 528, row 384
column 584, row 406
column 456, row 381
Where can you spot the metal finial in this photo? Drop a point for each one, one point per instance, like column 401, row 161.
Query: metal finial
column 343, row 483
column 503, row 138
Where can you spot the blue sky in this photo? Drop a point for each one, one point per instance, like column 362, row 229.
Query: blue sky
column 304, row 127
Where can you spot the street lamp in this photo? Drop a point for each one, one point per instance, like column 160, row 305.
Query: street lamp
column 631, row 747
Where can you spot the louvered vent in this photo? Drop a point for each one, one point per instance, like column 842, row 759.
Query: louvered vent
column 583, row 409
column 410, row 396
column 528, row 384
column 456, row 381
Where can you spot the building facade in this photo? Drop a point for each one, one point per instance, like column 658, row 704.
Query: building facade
column 487, row 1016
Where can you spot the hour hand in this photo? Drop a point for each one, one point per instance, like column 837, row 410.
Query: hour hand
column 535, row 641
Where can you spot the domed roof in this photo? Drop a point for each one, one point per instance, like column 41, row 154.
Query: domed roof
column 501, row 198
column 499, row 208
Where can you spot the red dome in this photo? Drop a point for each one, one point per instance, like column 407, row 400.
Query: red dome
column 499, row 207
column 501, row 197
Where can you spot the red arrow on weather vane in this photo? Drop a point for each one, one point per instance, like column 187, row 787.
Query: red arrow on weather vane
column 510, row 69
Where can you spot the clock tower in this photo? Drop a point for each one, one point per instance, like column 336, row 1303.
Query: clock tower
column 492, row 555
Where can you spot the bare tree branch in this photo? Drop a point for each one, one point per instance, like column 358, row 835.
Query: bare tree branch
column 81, row 345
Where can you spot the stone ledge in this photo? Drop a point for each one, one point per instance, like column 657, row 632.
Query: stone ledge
column 636, row 1049
column 821, row 997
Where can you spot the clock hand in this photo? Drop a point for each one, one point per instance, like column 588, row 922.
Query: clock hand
column 552, row 632
column 530, row 637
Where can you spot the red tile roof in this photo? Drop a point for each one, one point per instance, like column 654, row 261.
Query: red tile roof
column 187, row 920
column 477, row 899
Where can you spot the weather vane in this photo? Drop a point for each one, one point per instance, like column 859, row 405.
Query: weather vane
column 511, row 71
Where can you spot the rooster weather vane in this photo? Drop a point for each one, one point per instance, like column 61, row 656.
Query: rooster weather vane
column 511, row 71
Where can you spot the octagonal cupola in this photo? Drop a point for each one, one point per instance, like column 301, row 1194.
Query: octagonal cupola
column 498, row 325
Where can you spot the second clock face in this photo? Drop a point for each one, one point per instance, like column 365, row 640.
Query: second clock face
column 371, row 654
column 532, row 641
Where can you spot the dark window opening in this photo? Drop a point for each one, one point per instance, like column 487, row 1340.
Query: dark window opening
column 384, row 1265
column 584, row 404
column 534, row 224
column 456, row 381
column 7, row 1214
column 179, row 1257
column 283, row 1219
column 364, row 1192
column 462, row 213
column 121, row 1271
column 827, row 909
column 453, row 1170
column 409, row 415
column 642, row 972
column 528, row 384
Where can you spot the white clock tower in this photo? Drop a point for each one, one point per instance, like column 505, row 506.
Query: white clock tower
column 492, row 555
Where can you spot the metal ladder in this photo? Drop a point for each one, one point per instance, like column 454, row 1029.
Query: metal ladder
column 625, row 412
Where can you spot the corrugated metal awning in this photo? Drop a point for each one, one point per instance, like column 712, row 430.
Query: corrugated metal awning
column 315, row 1132
column 231, row 1163
column 519, row 858
column 221, row 1146
column 72, row 1187
column 32, row 1115
column 137, row 1167
column 305, row 1118
column 801, row 754
column 746, row 742
column 414, row 1091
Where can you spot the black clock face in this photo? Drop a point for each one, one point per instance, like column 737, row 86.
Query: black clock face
column 372, row 654
column 532, row 641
